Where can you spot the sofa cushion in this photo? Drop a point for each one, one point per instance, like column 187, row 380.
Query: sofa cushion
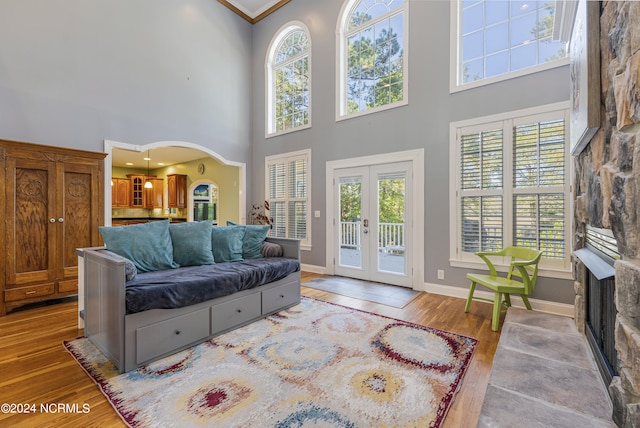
column 147, row 245
column 254, row 236
column 191, row 243
column 226, row 243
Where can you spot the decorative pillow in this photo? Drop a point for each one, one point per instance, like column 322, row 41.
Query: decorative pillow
column 130, row 271
column 226, row 243
column 147, row 245
column 271, row 249
column 192, row 243
column 254, row 236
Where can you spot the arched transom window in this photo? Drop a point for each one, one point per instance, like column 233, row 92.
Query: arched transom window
column 289, row 80
column 372, row 39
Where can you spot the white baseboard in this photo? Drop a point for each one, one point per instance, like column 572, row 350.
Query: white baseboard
column 313, row 269
column 545, row 306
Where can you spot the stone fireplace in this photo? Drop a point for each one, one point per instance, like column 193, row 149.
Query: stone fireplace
column 607, row 196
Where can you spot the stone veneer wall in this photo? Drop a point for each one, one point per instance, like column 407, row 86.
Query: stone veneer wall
column 607, row 193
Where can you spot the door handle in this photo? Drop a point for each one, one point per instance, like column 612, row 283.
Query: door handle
column 52, row 220
column 365, row 230
column 365, row 223
column 61, row 220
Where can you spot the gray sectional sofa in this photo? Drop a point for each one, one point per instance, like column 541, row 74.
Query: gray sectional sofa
column 140, row 306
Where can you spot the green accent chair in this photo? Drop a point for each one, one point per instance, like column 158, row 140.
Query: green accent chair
column 520, row 279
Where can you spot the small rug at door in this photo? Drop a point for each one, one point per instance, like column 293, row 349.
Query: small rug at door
column 315, row 364
column 390, row 295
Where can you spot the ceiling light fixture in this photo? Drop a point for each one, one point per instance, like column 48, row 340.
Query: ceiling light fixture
column 148, row 184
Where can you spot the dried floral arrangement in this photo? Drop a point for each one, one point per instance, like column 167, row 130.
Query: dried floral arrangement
column 258, row 214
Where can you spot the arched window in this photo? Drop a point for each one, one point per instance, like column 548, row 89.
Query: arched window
column 289, row 80
column 372, row 49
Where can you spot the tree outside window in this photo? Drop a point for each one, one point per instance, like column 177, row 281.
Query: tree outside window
column 288, row 86
column 373, row 62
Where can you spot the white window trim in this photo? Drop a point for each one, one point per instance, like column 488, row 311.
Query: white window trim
column 283, row 157
column 341, row 65
column 269, row 80
column 554, row 269
column 454, row 56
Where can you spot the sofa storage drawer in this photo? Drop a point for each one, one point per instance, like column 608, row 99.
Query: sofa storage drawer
column 165, row 336
column 234, row 312
column 280, row 297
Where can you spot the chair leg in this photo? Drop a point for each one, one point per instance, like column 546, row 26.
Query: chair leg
column 471, row 291
column 526, row 301
column 507, row 299
column 497, row 306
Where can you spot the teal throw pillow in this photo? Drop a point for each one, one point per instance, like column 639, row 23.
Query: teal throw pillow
column 226, row 243
column 147, row 245
column 254, row 236
column 191, row 243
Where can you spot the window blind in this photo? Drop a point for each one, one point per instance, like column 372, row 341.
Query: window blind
column 288, row 195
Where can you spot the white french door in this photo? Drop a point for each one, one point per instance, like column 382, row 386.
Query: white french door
column 373, row 237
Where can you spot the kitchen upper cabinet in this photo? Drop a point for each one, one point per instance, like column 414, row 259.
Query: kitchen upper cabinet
column 154, row 197
column 121, row 193
column 53, row 202
column 137, row 190
column 177, row 191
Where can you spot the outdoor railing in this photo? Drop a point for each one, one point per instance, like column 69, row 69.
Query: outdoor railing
column 390, row 236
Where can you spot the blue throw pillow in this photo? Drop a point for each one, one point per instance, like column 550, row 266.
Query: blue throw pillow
column 254, row 236
column 191, row 243
column 147, row 245
column 226, row 243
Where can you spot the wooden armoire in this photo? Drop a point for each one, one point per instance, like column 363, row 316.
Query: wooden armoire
column 52, row 202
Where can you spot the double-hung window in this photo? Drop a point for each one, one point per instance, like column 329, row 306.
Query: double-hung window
column 493, row 40
column 511, row 182
column 287, row 181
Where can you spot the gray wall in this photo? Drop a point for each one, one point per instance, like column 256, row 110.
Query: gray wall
column 424, row 123
column 76, row 72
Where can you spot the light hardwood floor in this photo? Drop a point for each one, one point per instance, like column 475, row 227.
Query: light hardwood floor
column 35, row 368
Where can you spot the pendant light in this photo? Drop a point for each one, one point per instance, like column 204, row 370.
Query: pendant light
column 148, row 184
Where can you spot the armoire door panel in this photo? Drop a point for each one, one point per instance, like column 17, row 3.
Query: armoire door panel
column 76, row 212
column 30, row 232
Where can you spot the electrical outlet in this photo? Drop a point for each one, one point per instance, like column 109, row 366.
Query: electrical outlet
column 440, row 274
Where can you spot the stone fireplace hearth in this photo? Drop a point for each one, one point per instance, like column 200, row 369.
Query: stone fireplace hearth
column 607, row 195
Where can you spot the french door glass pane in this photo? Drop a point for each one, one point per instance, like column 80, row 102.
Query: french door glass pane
column 350, row 221
column 391, row 223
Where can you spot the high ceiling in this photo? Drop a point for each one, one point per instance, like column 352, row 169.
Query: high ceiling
column 251, row 10
column 254, row 10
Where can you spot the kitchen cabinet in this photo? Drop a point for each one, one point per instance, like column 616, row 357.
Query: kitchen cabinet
column 154, row 197
column 53, row 202
column 121, row 193
column 176, row 191
column 137, row 190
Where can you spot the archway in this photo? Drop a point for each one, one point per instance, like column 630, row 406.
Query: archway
column 109, row 145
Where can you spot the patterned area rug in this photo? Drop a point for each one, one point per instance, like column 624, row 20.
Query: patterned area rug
column 316, row 364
